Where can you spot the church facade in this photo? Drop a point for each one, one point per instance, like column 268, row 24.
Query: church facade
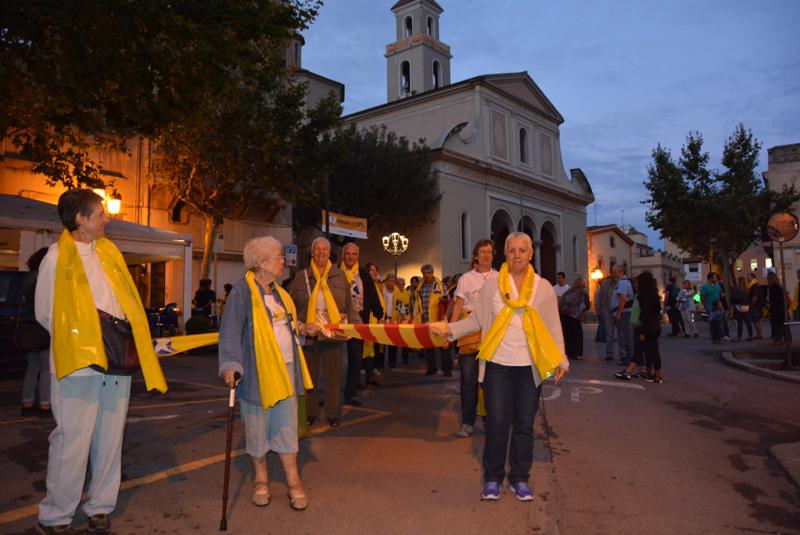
column 496, row 155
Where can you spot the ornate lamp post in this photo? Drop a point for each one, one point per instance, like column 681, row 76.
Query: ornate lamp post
column 395, row 244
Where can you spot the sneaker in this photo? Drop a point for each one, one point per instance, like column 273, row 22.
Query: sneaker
column 99, row 524
column 491, row 491
column 522, row 491
column 47, row 530
column 465, row 431
column 625, row 376
column 726, row 338
column 657, row 380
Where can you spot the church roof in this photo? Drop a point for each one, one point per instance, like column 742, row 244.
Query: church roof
column 402, row 3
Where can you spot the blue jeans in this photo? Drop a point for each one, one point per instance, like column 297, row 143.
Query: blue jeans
column 469, row 388
column 623, row 338
column 512, row 399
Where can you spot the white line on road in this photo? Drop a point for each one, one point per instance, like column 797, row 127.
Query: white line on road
column 619, row 384
column 576, row 391
column 135, row 419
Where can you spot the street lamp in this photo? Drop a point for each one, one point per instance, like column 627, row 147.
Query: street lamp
column 114, row 203
column 395, row 244
column 596, row 274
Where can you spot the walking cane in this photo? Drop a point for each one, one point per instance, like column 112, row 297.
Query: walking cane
column 223, row 523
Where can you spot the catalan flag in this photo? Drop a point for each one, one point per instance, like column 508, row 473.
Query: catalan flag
column 167, row 347
column 415, row 336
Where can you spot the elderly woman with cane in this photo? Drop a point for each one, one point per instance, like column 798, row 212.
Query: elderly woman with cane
column 522, row 345
column 258, row 340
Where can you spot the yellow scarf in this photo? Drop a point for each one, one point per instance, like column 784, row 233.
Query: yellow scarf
column 795, row 303
column 545, row 353
column 330, row 303
column 77, row 336
column 369, row 347
column 350, row 273
column 273, row 377
column 752, row 283
column 433, row 301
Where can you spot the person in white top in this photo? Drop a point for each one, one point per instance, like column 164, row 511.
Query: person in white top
column 561, row 286
column 511, row 382
column 465, row 299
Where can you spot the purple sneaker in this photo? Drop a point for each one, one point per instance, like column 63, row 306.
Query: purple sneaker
column 522, row 491
column 491, row 491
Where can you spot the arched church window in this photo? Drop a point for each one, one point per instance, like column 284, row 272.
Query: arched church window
column 436, row 75
column 408, row 29
column 523, row 145
column 405, row 78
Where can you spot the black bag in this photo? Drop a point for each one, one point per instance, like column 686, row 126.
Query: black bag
column 120, row 347
column 31, row 337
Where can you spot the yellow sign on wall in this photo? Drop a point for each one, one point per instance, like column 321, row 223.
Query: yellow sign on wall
column 345, row 225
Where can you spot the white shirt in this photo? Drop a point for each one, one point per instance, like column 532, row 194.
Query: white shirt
column 388, row 298
column 513, row 349
column 470, row 284
column 280, row 327
column 561, row 290
column 104, row 298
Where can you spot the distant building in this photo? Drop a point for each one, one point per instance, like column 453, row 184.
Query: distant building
column 607, row 245
column 784, row 169
column 661, row 264
column 496, row 155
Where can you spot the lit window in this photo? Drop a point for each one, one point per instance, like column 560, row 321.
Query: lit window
column 408, row 28
column 753, row 264
column 739, row 264
column 523, row 145
column 436, row 75
column 405, row 78
column 767, row 263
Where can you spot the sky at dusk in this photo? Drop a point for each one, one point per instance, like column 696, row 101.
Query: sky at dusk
column 626, row 75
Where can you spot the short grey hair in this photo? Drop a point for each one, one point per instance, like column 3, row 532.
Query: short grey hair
column 256, row 250
column 518, row 235
column 427, row 267
column 320, row 239
column 350, row 244
column 390, row 275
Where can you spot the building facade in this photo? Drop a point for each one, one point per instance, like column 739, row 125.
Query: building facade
column 496, row 155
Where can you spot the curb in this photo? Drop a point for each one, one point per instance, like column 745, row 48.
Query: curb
column 788, row 455
column 729, row 359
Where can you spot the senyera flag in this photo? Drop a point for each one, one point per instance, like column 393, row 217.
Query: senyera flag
column 168, row 346
column 415, row 336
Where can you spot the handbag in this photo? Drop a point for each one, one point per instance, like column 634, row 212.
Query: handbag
column 119, row 345
column 30, row 336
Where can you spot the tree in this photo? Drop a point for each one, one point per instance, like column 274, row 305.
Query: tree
column 383, row 178
column 711, row 214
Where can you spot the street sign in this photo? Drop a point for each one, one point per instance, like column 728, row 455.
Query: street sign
column 291, row 255
column 345, row 225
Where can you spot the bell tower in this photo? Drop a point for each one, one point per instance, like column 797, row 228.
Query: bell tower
column 417, row 61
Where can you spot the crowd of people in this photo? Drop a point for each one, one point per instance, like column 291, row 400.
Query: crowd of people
column 514, row 330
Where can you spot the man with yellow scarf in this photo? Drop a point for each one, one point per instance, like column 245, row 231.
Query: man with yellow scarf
column 521, row 346
column 322, row 296
column 427, row 294
column 82, row 277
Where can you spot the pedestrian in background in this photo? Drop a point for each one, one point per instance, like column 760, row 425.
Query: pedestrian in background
column 710, row 294
column 574, row 304
column 648, row 330
column 756, row 294
column 777, row 307
column 685, row 302
column 602, row 308
column 37, row 342
column 620, row 308
column 741, row 309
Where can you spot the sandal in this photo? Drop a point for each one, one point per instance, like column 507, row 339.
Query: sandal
column 261, row 495
column 298, row 501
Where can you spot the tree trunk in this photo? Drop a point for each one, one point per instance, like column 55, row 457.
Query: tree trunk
column 212, row 226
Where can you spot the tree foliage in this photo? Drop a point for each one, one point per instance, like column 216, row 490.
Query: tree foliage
column 714, row 215
column 382, row 177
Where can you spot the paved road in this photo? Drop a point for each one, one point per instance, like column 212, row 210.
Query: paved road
column 688, row 456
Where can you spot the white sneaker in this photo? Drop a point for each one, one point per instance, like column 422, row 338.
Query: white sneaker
column 465, row 431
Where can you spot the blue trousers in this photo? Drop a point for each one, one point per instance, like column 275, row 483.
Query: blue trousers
column 469, row 388
column 512, row 399
column 90, row 412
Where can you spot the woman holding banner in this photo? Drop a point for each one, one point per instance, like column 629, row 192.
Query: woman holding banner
column 522, row 345
column 258, row 339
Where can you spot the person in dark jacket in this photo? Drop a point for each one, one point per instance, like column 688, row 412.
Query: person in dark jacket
column 777, row 307
column 646, row 352
column 38, row 369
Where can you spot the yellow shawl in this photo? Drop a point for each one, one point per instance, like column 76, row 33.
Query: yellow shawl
column 273, row 377
column 545, row 353
column 330, row 303
column 77, row 336
column 349, row 273
column 433, row 301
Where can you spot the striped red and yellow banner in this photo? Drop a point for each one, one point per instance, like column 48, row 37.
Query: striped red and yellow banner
column 415, row 336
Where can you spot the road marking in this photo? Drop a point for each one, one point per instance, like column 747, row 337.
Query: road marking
column 618, row 384
column 136, row 420
column 576, row 391
column 555, row 394
column 32, row 510
column 20, row 420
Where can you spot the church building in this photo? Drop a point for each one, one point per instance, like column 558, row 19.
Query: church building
column 496, row 153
